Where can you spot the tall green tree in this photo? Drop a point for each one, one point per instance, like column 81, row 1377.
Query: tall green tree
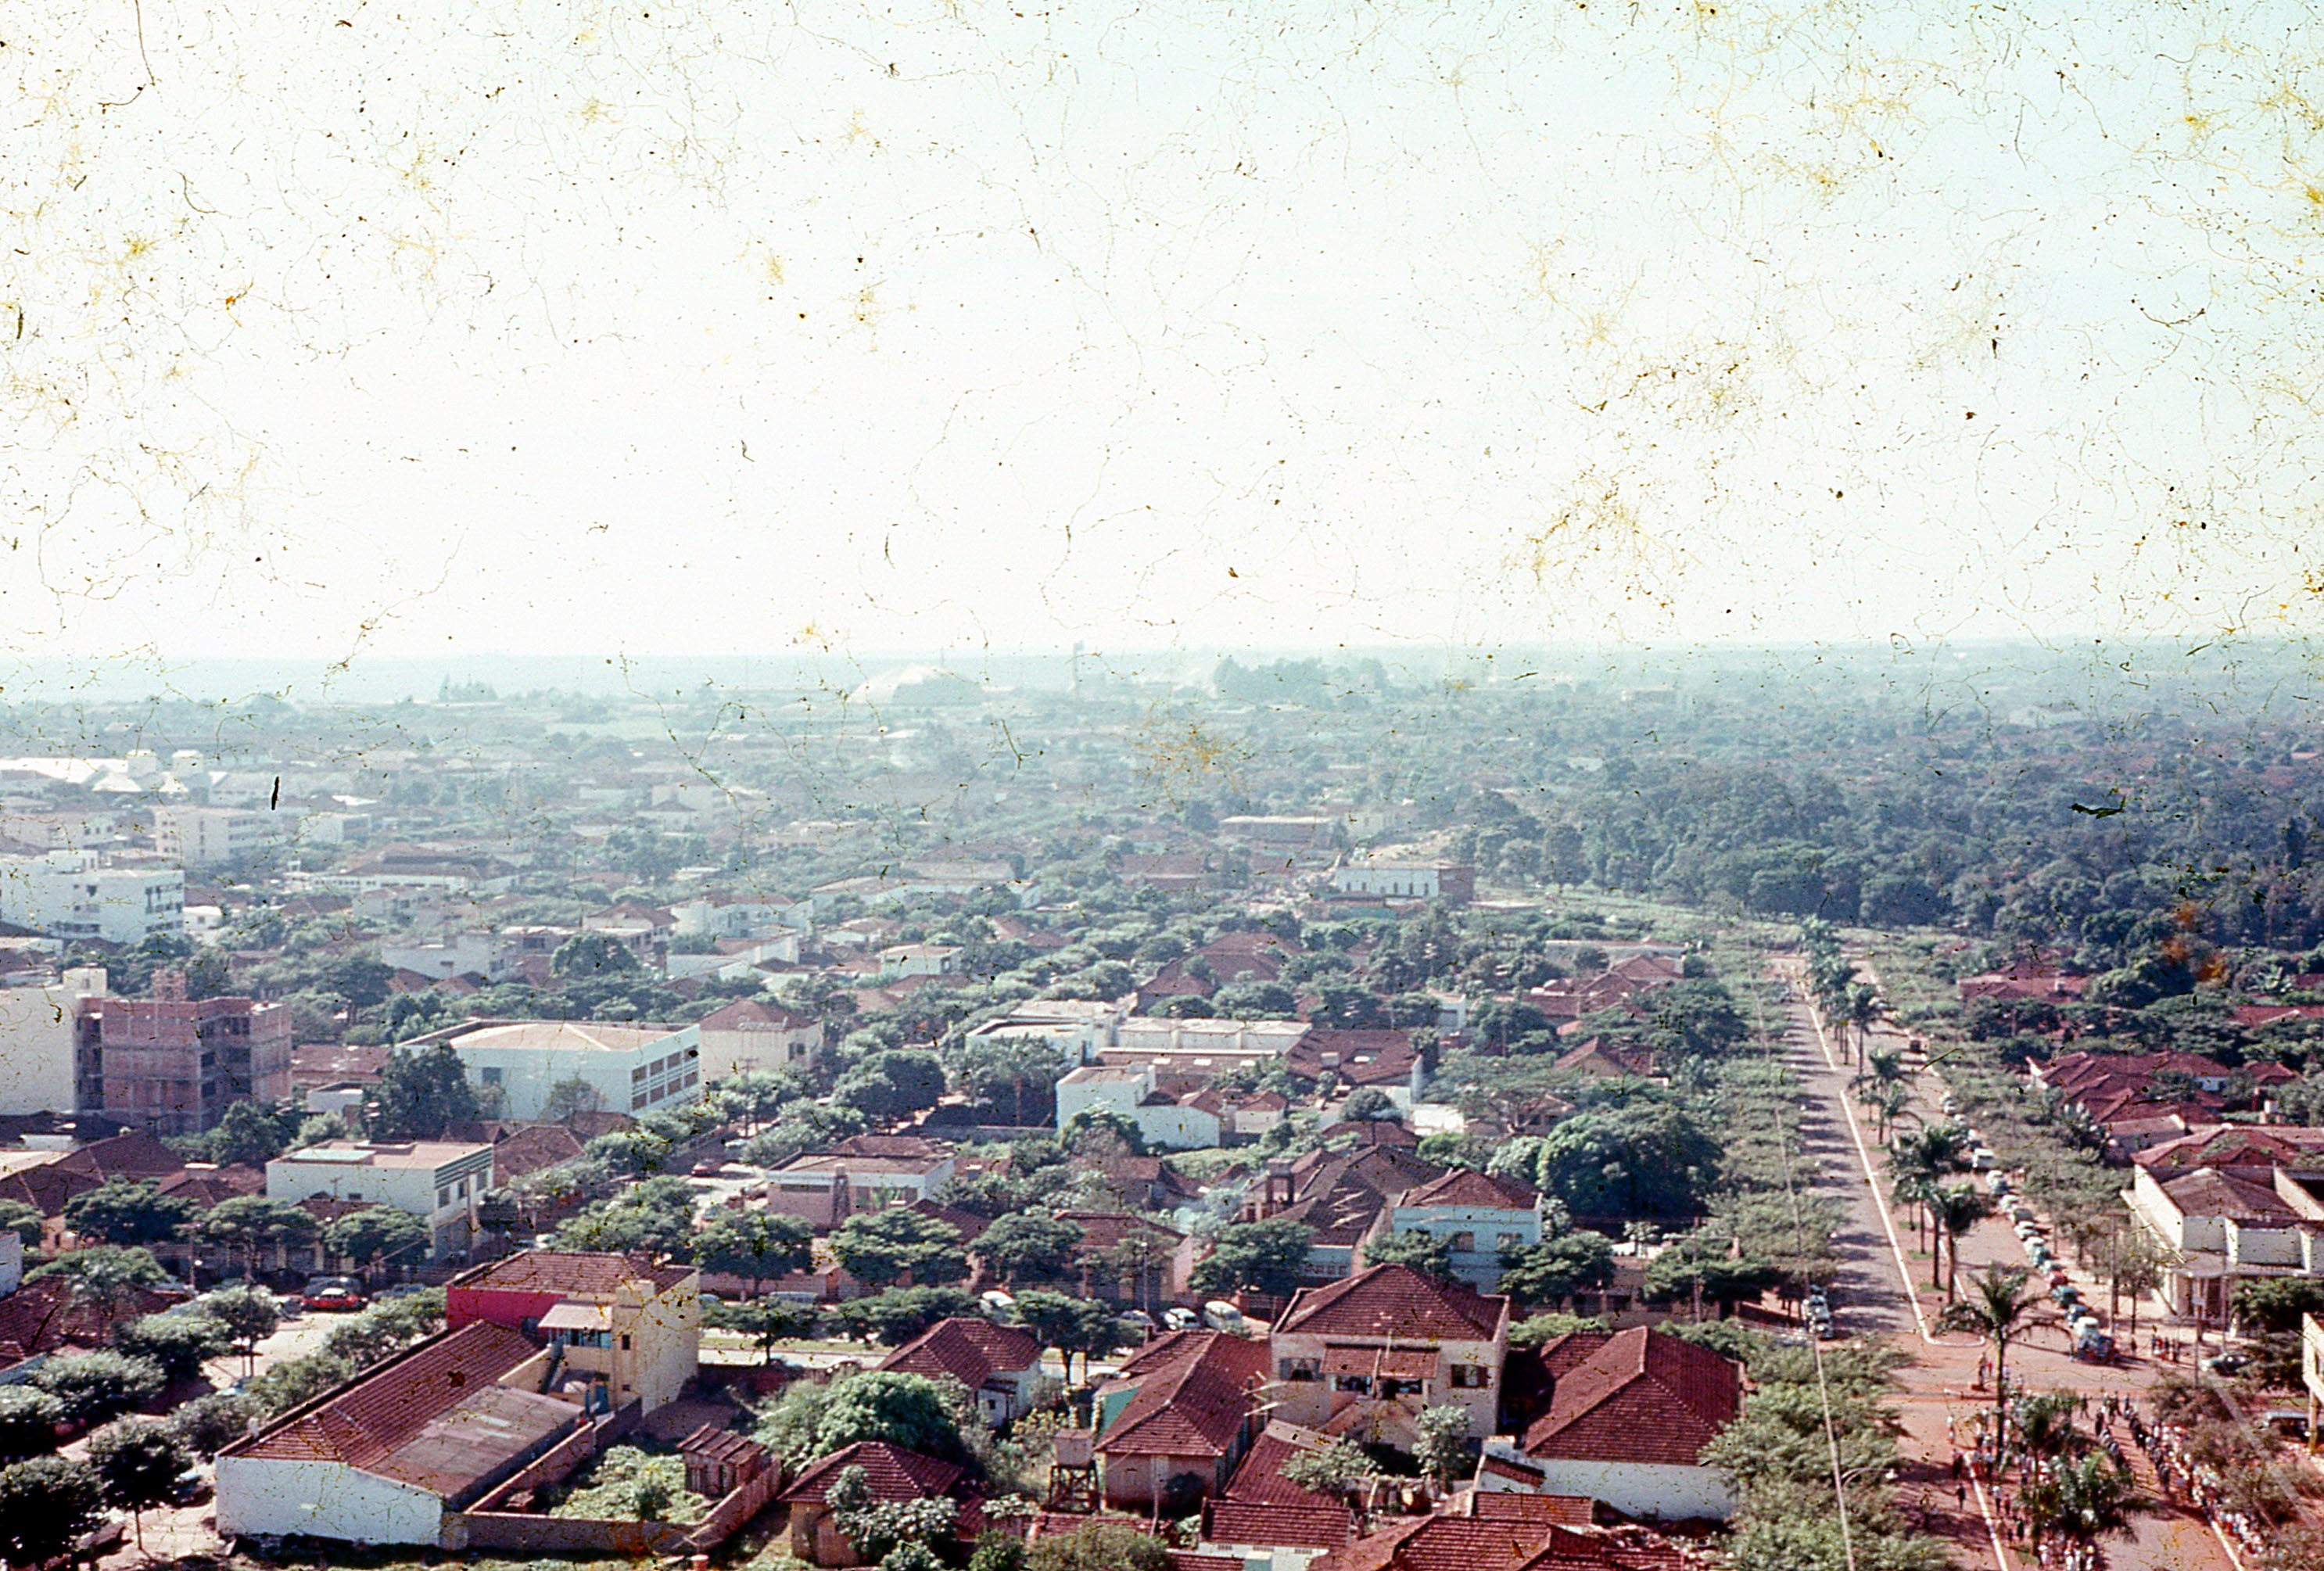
column 879, row 1247
column 127, row 1211
column 1029, row 1246
column 250, row 1225
column 421, row 1092
column 1266, row 1257
column 137, row 1462
column 756, row 1245
column 47, row 1505
column 375, row 1235
column 1429, row 1255
column 1999, row 1308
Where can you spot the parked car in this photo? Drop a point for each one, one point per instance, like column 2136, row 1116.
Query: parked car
column 2225, row 1364
column 1182, row 1319
column 1221, row 1315
column 339, row 1295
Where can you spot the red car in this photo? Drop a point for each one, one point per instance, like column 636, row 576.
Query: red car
column 332, row 1296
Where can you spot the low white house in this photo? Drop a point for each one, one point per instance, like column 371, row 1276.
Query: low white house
column 2217, row 1228
column 1130, row 1091
column 491, row 955
column 441, row 1182
column 387, row 1459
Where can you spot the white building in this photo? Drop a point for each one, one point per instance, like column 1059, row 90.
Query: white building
column 920, row 959
column 755, row 1033
column 440, row 1182
column 36, row 1042
column 1079, row 1029
column 66, row 894
column 2217, row 1228
column 490, row 955
column 721, row 916
column 632, row 1068
column 213, row 836
column 1407, row 880
column 1130, row 1092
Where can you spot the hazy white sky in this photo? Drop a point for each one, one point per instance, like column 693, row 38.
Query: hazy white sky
column 479, row 324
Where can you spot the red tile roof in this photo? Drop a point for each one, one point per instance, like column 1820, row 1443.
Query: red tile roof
column 1259, row 1478
column 570, row 1274
column 1193, row 1393
column 386, row 1421
column 1639, row 1396
column 755, row 1014
column 1395, row 1300
column 1500, row 1505
column 892, row 1473
column 1449, row 1542
column 1468, row 1187
column 1298, row 1527
column 968, row 1349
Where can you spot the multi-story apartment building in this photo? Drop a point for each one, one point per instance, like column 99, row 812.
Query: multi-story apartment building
column 173, row 1064
column 66, row 894
column 213, row 836
column 39, row 1023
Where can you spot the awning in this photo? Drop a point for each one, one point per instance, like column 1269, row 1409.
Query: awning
column 1385, row 1364
column 569, row 1315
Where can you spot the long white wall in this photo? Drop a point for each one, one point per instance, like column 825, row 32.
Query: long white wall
column 1641, row 1488
column 324, row 1500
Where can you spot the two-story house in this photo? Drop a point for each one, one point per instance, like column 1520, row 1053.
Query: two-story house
column 1361, row 1357
column 1477, row 1216
column 620, row 1323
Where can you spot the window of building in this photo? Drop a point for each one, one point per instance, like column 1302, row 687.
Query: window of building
column 491, row 1076
column 1302, row 1369
column 1509, row 1239
column 1464, row 1243
column 638, row 1075
column 443, row 1198
column 1471, row 1376
column 637, row 1101
column 625, row 1342
column 1360, row 1384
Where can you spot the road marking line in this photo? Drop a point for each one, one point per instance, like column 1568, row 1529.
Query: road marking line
column 1872, row 1179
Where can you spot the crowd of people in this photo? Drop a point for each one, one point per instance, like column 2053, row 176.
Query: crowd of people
column 2188, row 1481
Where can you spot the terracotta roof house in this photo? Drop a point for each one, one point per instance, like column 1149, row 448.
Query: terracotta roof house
column 1262, row 1510
column 2030, row 983
column 1358, row 1058
column 1363, row 1356
column 623, row 1327
column 1176, row 1417
column 382, row 1460
column 1628, row 1416
column 891, row 1473
column 1340, row 1196
column 1476, row 1215
column 1001, row 1365
column 1466, row 1537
